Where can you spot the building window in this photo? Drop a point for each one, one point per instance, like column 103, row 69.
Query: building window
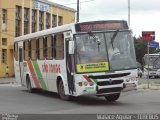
column 26, row 20
column 40, row 21
column 4, row 16
column 4, row 56
column 18, row 21
column 53, row 21
column 60, row 20
column 47, row 20
column 4, row 20
column 33, row 21
column 4, row 41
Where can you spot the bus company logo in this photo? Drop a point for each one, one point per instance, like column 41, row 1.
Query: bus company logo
column 82, row 67
column 51, row 68
column 110, row 81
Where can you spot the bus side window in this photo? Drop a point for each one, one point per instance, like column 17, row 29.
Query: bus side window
column 16, row 51
column 37, row 48
column 59, row 46
column 26, row 50
column 54, row 47
column 49, row 46
column 33, row 49
column 41, row 51
column 45, row 47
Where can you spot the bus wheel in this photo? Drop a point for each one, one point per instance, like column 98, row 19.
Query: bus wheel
column 29, row 87
column 112, row 97
column 61, row 92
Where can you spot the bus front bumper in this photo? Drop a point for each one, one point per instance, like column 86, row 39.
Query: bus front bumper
column 104, row 90
column 129, row 87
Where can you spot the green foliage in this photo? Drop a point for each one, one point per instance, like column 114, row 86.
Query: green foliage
column 141, row 48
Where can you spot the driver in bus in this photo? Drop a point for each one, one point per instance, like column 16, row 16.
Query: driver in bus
column 113, row 50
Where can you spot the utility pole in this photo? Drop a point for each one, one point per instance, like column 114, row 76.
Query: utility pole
column 77, row 10
column 129, row 13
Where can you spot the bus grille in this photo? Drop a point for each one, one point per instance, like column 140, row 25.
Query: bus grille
column 114, row 82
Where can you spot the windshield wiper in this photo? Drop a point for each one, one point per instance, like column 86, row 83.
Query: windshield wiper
column 97, row 40
column 91, row 34
column 114, row 36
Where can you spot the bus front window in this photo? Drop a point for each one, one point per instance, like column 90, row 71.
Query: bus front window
column 120, row 50
column 109, row 51
column 91, row 52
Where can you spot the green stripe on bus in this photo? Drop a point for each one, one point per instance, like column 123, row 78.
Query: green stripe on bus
column 95, row 80
column 39, row 75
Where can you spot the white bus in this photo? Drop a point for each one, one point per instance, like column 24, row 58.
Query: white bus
column 95, row 58
column 151, row 65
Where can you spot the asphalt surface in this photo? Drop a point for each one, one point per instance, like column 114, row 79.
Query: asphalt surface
column 17, row 104
column 15, row 99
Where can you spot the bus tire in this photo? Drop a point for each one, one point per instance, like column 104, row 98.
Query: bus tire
column 112, row 97
column 29, row 86
column 61, row 91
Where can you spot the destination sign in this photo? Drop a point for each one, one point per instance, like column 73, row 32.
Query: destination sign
column 101, row 26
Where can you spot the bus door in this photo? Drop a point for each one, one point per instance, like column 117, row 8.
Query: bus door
column 69, row 63
column 20, row 59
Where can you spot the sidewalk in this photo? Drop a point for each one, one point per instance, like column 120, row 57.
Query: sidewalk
column 7, row 80
column 152, row 86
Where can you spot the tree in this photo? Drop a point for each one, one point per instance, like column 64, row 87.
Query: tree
column 141, row 48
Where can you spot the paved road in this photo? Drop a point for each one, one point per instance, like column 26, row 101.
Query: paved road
column 14, row 99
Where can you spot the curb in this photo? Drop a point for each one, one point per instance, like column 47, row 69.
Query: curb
column 7, row 80
column 151, row 86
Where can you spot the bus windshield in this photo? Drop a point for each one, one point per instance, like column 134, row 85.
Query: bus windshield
column 152, row 60
column 110, row 50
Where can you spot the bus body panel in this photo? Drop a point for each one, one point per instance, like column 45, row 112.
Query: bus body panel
column 91, row 84
column 18, row 64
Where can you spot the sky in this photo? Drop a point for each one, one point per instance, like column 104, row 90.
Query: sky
column 144, row 14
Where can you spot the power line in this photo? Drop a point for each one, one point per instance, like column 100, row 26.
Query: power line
column 62, row 4
column 80, row 2
column 31, row 25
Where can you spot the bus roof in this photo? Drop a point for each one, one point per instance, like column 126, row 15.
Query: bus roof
column 44, row 32
column 79, row 27
column 152, row 54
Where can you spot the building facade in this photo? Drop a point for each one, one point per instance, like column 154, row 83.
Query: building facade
column 21, row 17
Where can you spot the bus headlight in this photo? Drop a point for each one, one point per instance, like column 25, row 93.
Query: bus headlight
column 91, row 83
column 85, row 83
column 131, row 78
column 127, row 80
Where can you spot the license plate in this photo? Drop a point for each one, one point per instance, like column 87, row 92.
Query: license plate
column 153, row 73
